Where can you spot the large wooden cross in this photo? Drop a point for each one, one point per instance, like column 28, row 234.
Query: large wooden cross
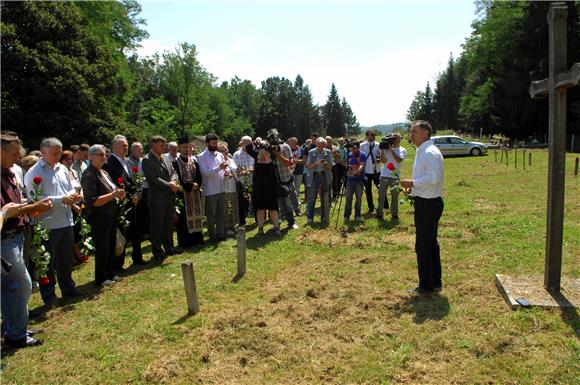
column 555, row 86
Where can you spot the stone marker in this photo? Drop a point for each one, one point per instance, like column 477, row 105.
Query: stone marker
column 190, row 288
column 555, row 86
column 241, row 251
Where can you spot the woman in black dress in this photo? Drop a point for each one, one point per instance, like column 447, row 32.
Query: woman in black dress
column 264, row 181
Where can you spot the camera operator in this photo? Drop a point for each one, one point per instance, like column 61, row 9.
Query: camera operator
column 284, row 160
column 355, row 177
column 371, row 150
column 339, row 155
column 394, row 154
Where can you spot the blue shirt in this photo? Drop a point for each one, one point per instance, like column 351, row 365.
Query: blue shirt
column 353, row 163
column 55, row 185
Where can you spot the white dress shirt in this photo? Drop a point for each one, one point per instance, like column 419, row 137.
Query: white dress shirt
column 428, row 171
column 389, row 158
column 370, row 167
column 211, row 172
column 55, row 184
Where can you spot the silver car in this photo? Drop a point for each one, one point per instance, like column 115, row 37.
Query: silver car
column 454, row 145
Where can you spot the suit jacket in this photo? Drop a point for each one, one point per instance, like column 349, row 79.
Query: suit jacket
column 158, row 178
column 116, row 170
column 94, row 185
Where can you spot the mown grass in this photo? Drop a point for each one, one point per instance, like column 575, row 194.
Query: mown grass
column 325, row 306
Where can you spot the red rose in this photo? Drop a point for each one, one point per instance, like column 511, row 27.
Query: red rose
column 391, row 166
column 37, row 180
column 84, row 258
column 135, row 169
column 44, row 281
column 120, row 181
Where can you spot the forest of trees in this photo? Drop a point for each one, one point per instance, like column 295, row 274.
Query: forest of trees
column 70, row 70
column 486, row 88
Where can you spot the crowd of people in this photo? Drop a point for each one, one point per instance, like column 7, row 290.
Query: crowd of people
column 127, row 197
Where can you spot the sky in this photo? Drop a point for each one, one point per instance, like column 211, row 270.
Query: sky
column 377, row 53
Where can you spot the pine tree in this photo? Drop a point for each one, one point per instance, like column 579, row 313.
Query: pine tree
column 333, row 114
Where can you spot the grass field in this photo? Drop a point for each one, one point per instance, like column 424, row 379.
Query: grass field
column 322, row 306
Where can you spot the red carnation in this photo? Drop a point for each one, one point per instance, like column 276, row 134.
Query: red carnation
column 135, row 169
column 120, row 181
column 44, row 281
column 37, row 180
column 391, row 166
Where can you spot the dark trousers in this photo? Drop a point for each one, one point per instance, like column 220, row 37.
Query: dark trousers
column 243, row 204
column 338, row 172
column 134, row 234
column 104, row 233
column 427, row 215
column 60, row 246
column 372, row 178
column 161, row 229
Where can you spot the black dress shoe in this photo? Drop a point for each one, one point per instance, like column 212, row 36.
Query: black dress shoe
column 24, row 342
column 33, row 332
column 73, row 294
column 437, row 289
column 420, row 291
column 177, row 250
column 141, row 263
column 50, row 301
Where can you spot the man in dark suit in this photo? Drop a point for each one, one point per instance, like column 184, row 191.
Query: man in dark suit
column 161, row 196
column 117, row 167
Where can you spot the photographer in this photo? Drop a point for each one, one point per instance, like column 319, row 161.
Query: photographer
column 284, row 161
column 354, row 181
column 371, row 149
column 319, row 167
column 393, row 154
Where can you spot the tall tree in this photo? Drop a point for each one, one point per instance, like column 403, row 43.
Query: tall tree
column 333, row 114
column 446, row 98
column 352, row 126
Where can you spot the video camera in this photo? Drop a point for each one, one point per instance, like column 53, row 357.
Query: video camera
column 274, row 141
column 387, row 141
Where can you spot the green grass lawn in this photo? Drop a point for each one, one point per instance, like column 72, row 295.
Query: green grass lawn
column 329, row 306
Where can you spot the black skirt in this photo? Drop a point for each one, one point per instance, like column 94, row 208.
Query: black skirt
column 264, row 196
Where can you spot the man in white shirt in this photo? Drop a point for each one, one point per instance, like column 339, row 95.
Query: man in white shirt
column 427, row 186
column 170, row 157
column 212, row 165
column 245, row 164
column 372, row 174
column 392, row 157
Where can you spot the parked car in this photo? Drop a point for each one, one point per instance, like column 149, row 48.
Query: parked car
column 454, row 145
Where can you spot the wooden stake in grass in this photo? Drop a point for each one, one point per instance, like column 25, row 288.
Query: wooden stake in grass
column 530, row 159
column 501, row 159
column 241, row 252
column 524, row 158
column 495, row 153
column 576, row 167
column 190, row 288
column 507, row 162
column 516, row 157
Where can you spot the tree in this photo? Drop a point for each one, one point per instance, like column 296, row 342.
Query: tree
column 422, row 106
column 186, row 85
column 350, row 121
column 57, row 77
column 333, row 114
column 446, row 99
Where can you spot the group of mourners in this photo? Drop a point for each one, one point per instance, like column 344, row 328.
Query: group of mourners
column 126, row 198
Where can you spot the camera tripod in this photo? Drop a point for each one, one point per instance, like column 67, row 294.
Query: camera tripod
column 341, row 194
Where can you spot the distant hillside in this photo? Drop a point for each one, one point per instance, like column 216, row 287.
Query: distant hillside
column 384, row 128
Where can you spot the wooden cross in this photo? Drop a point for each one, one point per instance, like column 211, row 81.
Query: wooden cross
column 555, row 86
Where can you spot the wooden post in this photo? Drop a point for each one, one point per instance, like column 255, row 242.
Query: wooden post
column 507, row 162
column 516, row 157
column 241, row 251
column 576, row 167
column 495, row 153
column 502, row 151
column 524, row 158
column 530, row 159
column 190, row 288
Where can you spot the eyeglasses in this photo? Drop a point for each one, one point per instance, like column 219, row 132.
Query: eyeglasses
column 101, row 154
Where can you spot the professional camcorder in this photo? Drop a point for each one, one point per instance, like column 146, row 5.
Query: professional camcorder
column 387, row 141
column 274, row 141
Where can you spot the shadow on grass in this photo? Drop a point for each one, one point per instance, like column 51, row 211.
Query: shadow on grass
column 426, row 307
column 570, row 316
